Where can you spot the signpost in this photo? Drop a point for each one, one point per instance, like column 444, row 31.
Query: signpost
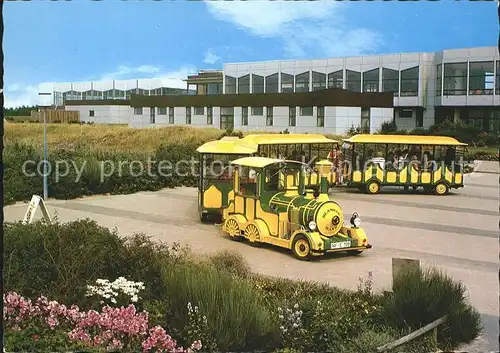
column 45, row 103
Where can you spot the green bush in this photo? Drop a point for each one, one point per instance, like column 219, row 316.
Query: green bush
column 120, row 176
column 421, row 297
column 58, row 260
column 230, row 262
column 238, row 318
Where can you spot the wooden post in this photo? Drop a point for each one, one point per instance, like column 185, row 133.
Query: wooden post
column 402, row 265
column 413, row 335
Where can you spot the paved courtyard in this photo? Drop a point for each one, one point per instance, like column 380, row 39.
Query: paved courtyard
column 457, row 232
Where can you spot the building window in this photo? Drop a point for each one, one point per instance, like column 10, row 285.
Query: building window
column 439, row 80
column 230, row 85
column 257, row 111
column 210, row 119
column 292, row 116
column 353, row 81
column 481, row 78
column 318, row 81
column 272, row 85
column 244, row 84
column 244, row 116
column 269, row 116
column 455, row 79
column 302, row 82
column 188, row 115
column 320, row 119
column 162, row 111
column 390, row 81
column 365, row 120
column 286, row 83
column 370, row 80
column 199, row 110
column 214, row 88
column 336, row 79
column 138, row 111
column 409, row 82
column 497, row 80
column 152, row 117
column 406, row 113
column 257, row 84
column 91, row 113
column 171, row 119
column 227, row 118
column 306, row 111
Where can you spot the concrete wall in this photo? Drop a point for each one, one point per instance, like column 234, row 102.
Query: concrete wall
column 337, row 120
column 103, row 114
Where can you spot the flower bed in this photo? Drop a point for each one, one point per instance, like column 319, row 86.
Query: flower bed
column 45, row 325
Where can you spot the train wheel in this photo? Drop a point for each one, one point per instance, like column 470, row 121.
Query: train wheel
column 441, row 189
column 301, row 248
column 232, row 227
column 373, row 187
column 204, row 217
column 252, row 233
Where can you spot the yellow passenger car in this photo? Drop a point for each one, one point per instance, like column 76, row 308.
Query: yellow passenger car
column 308, row 148
column 215, row 175
column 277, row 210
column 434, row 163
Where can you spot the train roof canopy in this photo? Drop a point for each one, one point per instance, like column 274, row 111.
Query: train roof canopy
column 256, row 162
column 406, row 140
column 275, row 139
column 227, row 146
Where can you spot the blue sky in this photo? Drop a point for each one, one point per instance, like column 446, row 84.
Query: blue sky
column 79, row 40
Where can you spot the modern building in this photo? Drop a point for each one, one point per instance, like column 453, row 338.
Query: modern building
column 328, row 95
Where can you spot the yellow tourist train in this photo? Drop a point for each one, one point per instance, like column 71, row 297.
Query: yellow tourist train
column 367, row 162
column 434, row 163
column 273, row 206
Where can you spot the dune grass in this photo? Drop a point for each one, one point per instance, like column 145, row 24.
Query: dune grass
column 106, row 137
column 112, row 138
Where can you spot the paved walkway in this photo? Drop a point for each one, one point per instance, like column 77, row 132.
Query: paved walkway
column 487, row 167
column 457, row 232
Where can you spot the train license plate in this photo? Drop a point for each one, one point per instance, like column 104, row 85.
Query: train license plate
column 340, row 245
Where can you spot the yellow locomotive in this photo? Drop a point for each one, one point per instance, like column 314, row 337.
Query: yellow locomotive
column 270, row 203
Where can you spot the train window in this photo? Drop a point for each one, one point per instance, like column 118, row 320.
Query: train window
column 248, row 181
column 273, row 182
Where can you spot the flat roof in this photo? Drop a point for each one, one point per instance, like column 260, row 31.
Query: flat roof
column 406, row 139
column 326, row 97
column 256, row 162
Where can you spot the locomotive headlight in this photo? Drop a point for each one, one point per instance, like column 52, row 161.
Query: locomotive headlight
column 355, row 220
column 312, row 225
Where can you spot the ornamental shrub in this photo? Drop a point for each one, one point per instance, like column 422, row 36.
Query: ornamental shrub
column 422, row 296
column 238, row 319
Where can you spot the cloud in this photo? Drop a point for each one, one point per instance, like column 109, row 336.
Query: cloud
column 19, row 94
column 174, row 78
column 210, row 57
column 125, row 72
column 305, row 27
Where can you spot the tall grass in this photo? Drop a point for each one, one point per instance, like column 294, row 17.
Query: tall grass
column 239, row 320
